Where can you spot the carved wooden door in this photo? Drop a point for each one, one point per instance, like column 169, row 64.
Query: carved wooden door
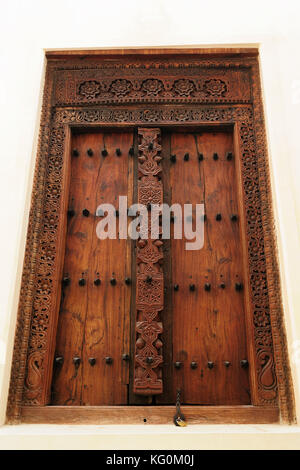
column 184, row 308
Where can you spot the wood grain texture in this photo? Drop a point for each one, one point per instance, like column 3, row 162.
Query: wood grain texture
column 93, row 321
column 148, row 415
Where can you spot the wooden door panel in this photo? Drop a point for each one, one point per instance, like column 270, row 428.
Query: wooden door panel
column 208, row 326
column 94, row 319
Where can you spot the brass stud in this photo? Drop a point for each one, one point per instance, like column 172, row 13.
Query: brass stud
column 108, row 360
column 200, row 157
column 229, row 156
column 76, row 361
column 210, row 364
column 59, row 360
column 118, row 152
column 244, row 363
column 104, row 153
column 81, row 281
column 90, row 152
column 186, row 157
column 177, row 365
column 173, row 158
column 234, row 217
column 218, row 217
column 207, row 286
column 215, row 156
column 227, row 364
column 176, row 287
column 113, row 281
column 192, row 287
column 85, row 212
column 222, row 285
column 238, row 286
column 75, row 153
column 127, row 281
column 66, row 281
column 194, row 365
column 97, row 282
column 125, row 357
column 92, row 361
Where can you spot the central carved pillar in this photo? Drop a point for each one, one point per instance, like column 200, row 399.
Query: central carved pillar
column 149, row 273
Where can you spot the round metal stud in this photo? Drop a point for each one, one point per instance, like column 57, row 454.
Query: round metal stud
column 97, row 282
column 90, row 152
column 82, row 281
column 108, row 360
column 92, row 361
column 210, row 364
column 85, row 212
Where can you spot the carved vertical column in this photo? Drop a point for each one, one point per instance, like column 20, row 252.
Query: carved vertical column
column 149, row 274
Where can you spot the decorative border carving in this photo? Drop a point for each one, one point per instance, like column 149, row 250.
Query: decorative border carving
column 39, row 285
column 149, row 273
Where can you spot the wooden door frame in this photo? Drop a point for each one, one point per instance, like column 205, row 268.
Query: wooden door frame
column 154, row 88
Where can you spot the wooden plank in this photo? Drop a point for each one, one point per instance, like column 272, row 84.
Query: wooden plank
column 148, row 415
column 204, row 321
column 94, row 320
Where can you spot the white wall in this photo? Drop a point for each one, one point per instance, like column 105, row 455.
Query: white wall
column 28, row 27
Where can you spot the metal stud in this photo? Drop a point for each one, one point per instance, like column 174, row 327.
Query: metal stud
column 71, row 212
column 81, row 281
column 108, row 360
column 149, row 279
column 118, row 152
column 173, row 158
column 92, row 361
column 85, row 212
column 97, row 282
column 177, row 365
column 104, row 153
column 186, row 157
column 90, row 152
column 59, row 360
column 222, row 285
column 215, row 156
column 207, row 286
column 238, row 286
column 234, row 217
column 176, row 287
column 66, row 281
column 127, row 281
column 194, row 365
column 244, row 363
column 229, row 156
column 218, row 217
column 149, row 360
column 227, row 364
column 210, row 364
column 75, row 153
column 113, row 281
column 192, row 287
column 131, row 151
column 200, row 157
column 76, row 361
column 125, row 357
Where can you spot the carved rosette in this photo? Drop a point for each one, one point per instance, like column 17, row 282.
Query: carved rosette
column 149, row 277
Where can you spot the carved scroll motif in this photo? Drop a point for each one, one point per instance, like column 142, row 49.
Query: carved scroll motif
column 149, row 277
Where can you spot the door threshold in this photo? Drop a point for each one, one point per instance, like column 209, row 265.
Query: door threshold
column 194, row 414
